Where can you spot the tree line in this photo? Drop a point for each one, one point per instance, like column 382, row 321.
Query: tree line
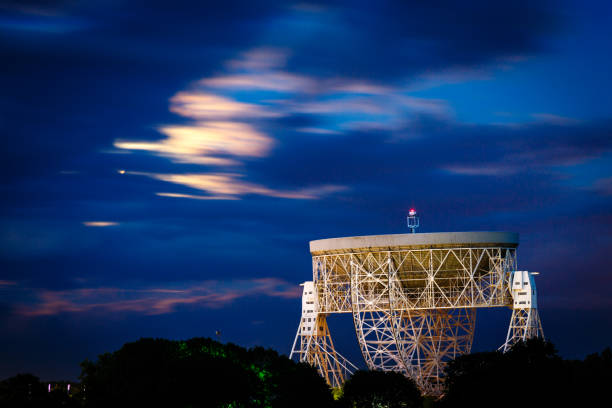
column 201, row 372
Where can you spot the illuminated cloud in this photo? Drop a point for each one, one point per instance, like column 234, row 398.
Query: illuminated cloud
column 274, row 81
column 100, row 223
column 230, row 185
column 341, row 105
column 454, row 75
column 153, row 300
column 362, row 88
column 388, row 110
column 263, row 58
column 202, row 105
column 229, row 114
column 7, row 283
column 196, row 197
column 319, row 131
column 203, row 142
column 482, row 170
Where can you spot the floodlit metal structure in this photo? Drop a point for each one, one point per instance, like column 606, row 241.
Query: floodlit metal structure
column 413, row 299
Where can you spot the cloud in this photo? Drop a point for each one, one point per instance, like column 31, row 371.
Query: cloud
column 100, row 223
column 42, row 26
column 319, row 131
column 481, row 170
column 362, row 87
column 36, row 7
column 152, row 300
column 558, row 144
column 484, row 160
column 603, row 186
column 229, row 127
column 391, row 40
column 225, row 129
column 221, row 185
column 204, row 142
column 244, row 112
column 7, row 283
column 554, row 119
column 196, row 197
column 201, row 105
column 274, row 81
column 262, row 58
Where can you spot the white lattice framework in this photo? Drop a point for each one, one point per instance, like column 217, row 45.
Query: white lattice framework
column 525, row 321
column 413, row 302
column 313, row 343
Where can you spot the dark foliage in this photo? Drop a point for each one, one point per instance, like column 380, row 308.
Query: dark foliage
column 200, row 373
column 593, row 377
column 26, row 390
column 531, row 374
column 204, row 373
column 380, row 389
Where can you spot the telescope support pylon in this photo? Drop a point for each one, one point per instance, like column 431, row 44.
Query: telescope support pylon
column 525, row 321
column 313, row 343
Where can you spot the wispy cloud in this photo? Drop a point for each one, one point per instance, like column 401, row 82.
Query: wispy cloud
column 39, row 18
column 318, row 131
column 273, row 81
column 153, row 300
column 554, row 119
column 454, row 75
column 603, row 186
column 230, row 186
column 362, row 87
column 202, row 105
column 258, row 59
column 204, row 142
column 100, row 223
column 196, row 197
column 231, row 114
column 481, row 170
column 559, row 147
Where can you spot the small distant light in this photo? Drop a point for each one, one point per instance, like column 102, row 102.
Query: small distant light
column 121, row 171
column 412, row 212
column 535, row 273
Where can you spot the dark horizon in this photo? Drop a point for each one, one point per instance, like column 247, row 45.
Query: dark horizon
column 165, row 165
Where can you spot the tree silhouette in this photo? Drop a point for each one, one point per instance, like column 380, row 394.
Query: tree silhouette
column 530, row 374
column 22, row 390
column 200, row 373
column 380, row 389
column 26, row 390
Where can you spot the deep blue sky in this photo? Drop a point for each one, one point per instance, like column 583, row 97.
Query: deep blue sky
column 164, row 164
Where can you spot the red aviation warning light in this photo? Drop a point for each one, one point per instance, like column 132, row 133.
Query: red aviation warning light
column 412, row 220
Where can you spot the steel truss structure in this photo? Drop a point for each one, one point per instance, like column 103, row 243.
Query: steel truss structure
column 313, row 343
column 525, row 321
column 413, row 301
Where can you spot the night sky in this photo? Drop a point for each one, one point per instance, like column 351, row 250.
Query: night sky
column 165, row 164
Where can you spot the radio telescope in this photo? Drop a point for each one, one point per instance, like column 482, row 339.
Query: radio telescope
column 413, row 298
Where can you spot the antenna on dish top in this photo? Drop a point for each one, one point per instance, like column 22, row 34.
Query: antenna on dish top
column 412, row 220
